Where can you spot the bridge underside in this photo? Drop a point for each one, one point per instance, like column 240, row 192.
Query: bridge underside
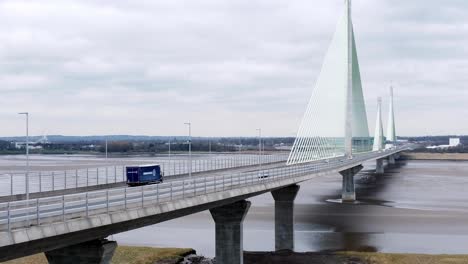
column 107, row 225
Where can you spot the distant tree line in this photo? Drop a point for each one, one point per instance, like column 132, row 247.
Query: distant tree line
column 218, row 145
column 5, row 145
column 150, row 146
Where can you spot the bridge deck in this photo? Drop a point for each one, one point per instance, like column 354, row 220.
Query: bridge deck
column 121, row 184
column 71, row 219
column 49, row 183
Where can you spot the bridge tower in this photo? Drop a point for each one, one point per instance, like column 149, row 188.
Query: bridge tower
column 348, row 147
column 391, row 134
column 379, row 138
column 335, row 121
column 378, row 135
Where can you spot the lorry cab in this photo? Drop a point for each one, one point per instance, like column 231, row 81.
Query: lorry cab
column 144, row 174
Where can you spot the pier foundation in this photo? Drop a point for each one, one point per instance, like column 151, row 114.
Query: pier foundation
column 229, row 233
column 284, row 216
column 98, row 251
column 348, row 193
column 379, row 168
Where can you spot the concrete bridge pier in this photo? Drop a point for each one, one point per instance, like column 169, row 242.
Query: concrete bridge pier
column 391, row 160
column 229, row 233
column 379, row 168
column 284, row 216
column 98, row 251
column 348, row 193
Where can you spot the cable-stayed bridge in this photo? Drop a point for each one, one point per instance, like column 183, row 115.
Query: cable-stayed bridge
column 333, row 138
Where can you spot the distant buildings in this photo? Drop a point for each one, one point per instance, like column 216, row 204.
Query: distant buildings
column 453, row 142
column 31, row 145
column 282, row 146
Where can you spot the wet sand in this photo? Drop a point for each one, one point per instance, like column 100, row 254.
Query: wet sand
column 435, row 156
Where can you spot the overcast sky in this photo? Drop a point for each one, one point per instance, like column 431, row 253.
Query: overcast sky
column 228, row 66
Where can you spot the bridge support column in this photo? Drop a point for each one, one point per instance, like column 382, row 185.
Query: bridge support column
column 92, row 252
column 391, row 159
column 228, row 220
column 348, row 193
column 379, row 168
column 284, row 216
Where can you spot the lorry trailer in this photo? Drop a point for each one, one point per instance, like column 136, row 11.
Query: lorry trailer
column 144, row 174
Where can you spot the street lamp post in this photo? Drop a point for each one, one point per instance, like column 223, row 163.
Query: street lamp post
column 107, row 164
column 106, row 150
column 260, row 147
column 27, row 154
column 27, row 163
column 190, row 147
column 170, row 148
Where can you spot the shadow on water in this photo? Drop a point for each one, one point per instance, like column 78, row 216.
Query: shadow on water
column 369, row 184
column 347, row 225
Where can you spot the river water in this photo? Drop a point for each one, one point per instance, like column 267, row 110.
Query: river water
column 415, row 207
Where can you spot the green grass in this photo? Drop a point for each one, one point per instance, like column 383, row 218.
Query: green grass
column 147, row 255
column 123, row 255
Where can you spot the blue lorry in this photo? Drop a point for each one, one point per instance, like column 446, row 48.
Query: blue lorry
column 144, row 174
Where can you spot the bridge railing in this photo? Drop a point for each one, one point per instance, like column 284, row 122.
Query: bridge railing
column 60, row 208
column 14, row 183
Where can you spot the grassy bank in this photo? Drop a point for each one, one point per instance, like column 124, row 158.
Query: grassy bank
column 147, row 255
column 381, row 258
column 435, row 156
column 124, row 255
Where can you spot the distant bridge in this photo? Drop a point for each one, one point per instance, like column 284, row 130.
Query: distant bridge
column 333, row 138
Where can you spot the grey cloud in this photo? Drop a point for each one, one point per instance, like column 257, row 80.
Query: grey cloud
column 90, row 67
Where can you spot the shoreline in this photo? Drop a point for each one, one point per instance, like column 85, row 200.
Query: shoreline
column 435, row 156
column 339, row 257
column 126, row 255
column 150, row 255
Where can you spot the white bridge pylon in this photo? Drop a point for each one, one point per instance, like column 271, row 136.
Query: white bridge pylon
column 335, row 122
column 379, row 138
column 391, row 134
